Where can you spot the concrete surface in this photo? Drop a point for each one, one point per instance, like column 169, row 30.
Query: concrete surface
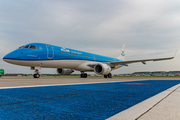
column 30, row 81
column 154, row 107
column 167, row 109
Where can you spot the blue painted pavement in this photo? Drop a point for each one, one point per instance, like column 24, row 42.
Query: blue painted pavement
column 83, row 101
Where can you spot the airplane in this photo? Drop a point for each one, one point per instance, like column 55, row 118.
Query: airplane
column 66, row 60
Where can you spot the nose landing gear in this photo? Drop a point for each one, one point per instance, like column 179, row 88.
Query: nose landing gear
column 36, row 75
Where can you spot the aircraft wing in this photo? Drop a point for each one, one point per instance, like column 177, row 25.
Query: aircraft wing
column 125, row 63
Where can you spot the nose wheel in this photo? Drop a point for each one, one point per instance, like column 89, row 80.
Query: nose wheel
column 36, row 75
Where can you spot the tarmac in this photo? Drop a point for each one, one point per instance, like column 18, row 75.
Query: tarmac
column 163, row 106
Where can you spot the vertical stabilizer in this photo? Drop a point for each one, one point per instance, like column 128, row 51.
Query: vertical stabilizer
column 122, row 54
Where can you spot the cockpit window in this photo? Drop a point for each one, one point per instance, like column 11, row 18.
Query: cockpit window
column 33, row 47
column 21, row 47
column 26, row 46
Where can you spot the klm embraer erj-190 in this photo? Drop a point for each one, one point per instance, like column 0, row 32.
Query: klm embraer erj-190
column 40, row 55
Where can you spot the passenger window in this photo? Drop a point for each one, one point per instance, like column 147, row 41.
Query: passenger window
column 80, row 54
column 77, row 54
column 83, row 55
column 70, row 53
column 73, row 53
column 66, row 52
column 62, row 51
column 86, row 55
column 33, row 47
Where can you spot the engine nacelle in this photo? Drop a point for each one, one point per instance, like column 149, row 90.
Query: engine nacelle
column 102, row 69
column 64, row 71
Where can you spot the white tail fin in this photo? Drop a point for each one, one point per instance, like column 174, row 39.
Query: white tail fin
column 122, row 54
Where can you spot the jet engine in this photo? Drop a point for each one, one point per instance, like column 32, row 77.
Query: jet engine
column 102, row 69
column 64, row 71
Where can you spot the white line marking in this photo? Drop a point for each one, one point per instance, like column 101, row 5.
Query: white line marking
column 63, row 84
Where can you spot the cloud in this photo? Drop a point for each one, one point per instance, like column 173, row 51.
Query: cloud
column 148, row 28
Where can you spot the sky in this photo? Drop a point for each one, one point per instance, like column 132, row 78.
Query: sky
column 149, row 28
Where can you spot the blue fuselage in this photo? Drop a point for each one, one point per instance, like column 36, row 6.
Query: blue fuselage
column 50, row 56
column 51, row 52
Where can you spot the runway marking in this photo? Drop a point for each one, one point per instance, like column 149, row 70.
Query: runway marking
column 135, row 83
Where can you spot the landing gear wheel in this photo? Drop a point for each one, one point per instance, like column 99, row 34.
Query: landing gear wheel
column 105, row 76
column 36, row 75
column 84, row 75
column 109, row 75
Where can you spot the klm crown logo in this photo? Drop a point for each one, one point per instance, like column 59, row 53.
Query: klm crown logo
column 122, row 53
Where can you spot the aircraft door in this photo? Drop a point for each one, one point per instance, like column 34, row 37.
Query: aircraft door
column 50, row 52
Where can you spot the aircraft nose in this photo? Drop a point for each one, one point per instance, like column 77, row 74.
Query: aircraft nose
column 10, row 56
column 6, row 58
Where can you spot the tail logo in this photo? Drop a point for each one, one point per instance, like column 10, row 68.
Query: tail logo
column 122, row 53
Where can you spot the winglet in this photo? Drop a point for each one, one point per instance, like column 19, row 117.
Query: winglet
column 175, row 52
column 122, row 54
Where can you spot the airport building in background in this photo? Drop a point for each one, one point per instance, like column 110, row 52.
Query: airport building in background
column 154, row 73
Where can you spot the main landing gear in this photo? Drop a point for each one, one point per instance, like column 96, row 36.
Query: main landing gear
column 108, row 76
column 36, row 75
column 83, row 75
